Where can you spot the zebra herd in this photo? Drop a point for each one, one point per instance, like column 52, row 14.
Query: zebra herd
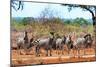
column 53, row 42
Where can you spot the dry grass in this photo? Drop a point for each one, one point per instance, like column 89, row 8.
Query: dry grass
column 41, row 29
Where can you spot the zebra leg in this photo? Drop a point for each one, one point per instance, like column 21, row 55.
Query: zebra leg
column 59, row 50
column 62, row 50
column 18, row 48
column 47, row 52
column 56, row 49
column 84, row 51
column 37, row 50
column 78, row 52
column 68, row 51
column 50, row 53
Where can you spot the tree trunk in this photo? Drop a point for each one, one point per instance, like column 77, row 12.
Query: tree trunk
column 93, row 19
column 94, row 24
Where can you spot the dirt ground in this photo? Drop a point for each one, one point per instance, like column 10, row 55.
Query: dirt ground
column 29, row 58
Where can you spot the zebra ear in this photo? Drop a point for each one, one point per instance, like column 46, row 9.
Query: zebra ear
column 24, row 33
column 52, row 33
column 31, row 39
column 87, row 35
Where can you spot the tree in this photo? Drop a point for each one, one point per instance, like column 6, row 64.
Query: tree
column 16, row 5
column 46, row 14
column 27, row 20
column 68, row 21
column 89, row 8
column 81, row 21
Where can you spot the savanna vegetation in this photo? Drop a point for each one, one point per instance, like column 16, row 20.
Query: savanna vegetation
column 60, row 26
